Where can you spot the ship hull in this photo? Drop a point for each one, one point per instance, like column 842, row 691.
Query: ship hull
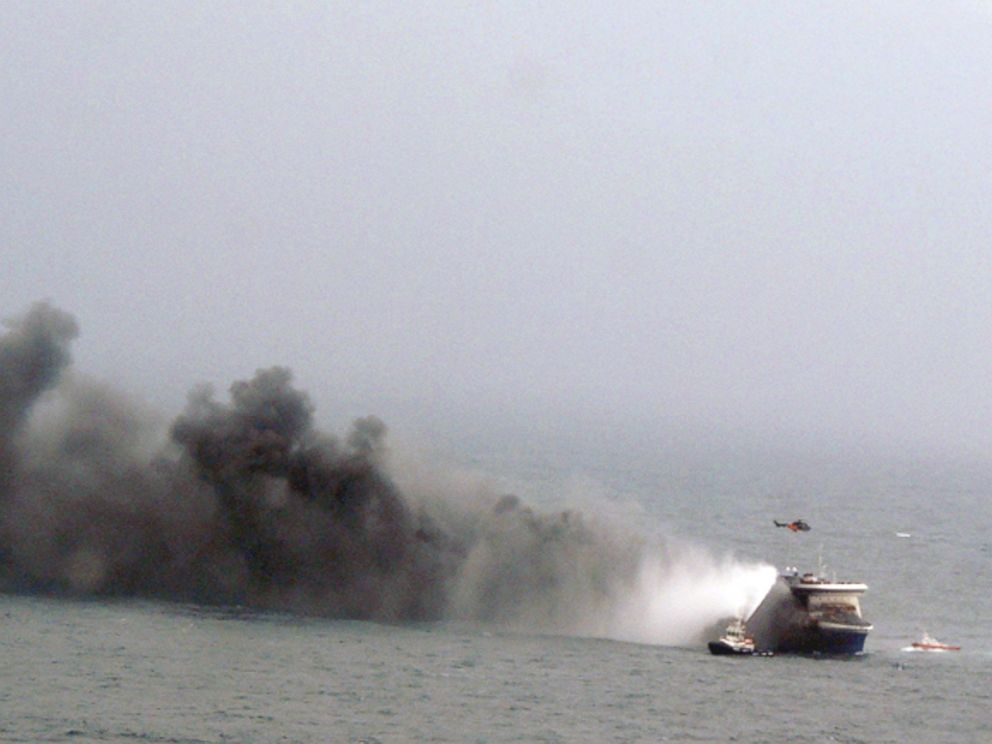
column 787, row 621
column 934, row 647
column 817, row 641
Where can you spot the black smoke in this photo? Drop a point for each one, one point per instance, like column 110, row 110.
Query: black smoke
column 244, row 501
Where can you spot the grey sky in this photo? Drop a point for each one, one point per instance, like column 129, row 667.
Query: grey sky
column 764, row 219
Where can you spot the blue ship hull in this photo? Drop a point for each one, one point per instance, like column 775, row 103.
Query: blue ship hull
column 838, row 642
column 819, row 641
column 788, row 621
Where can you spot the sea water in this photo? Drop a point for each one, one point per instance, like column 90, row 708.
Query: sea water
column 129, row 670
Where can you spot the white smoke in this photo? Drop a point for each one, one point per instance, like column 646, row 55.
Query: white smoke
column 608, row 580
column 676, row 598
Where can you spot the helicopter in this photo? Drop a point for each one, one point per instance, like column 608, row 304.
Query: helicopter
column 796, row 526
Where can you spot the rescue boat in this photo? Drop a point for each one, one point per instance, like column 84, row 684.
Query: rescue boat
column 929, row 643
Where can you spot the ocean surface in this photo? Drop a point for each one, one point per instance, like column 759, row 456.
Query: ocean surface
column 78, row 670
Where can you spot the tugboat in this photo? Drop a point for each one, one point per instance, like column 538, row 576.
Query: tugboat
column 809, row 614
column 929, row 643
column 734, row 642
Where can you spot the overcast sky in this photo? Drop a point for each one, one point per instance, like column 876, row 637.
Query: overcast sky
column 752, row 219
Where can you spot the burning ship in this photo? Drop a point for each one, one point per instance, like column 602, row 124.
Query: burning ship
column 809, row 614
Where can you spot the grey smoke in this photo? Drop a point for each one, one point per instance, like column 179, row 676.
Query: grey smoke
column 247, row 502
column 33, row 354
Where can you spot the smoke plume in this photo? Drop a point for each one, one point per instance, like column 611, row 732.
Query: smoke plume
column 33, row 354
column 246, row 502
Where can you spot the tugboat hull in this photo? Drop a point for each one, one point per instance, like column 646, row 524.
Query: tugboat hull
column 719, row 648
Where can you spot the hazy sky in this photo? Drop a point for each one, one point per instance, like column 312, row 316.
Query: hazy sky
column 758, row 219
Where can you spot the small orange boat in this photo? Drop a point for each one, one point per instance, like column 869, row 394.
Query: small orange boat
column 929, row 643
